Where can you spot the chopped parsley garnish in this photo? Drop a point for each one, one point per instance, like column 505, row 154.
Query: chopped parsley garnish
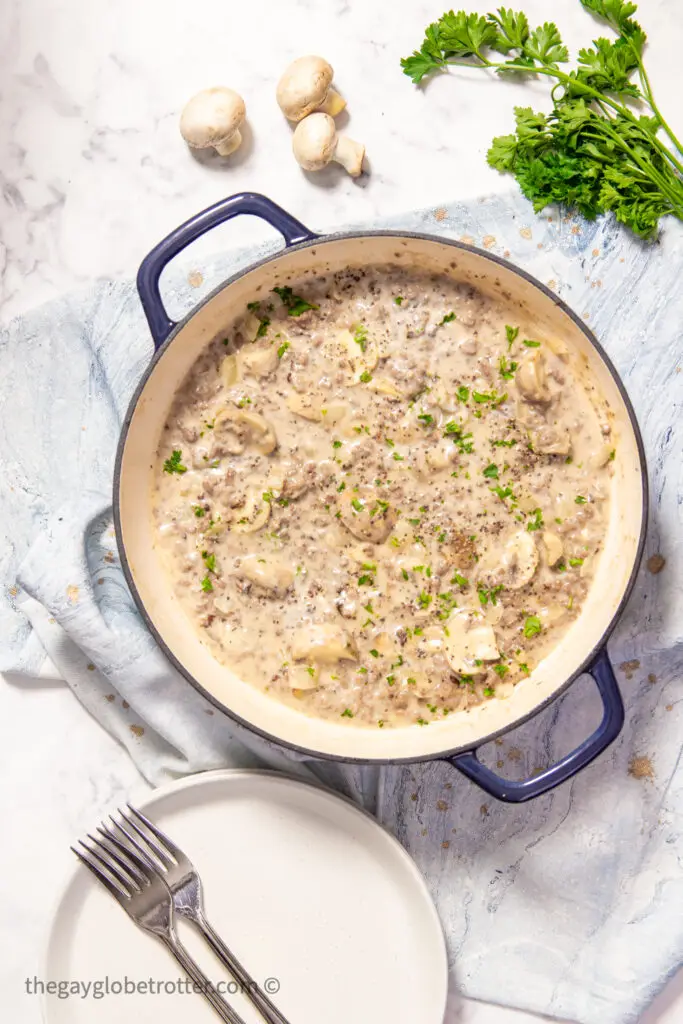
column 398, row 300
column 507, row 370
column 448, row 319
column 404, row 574
column 511, row 335
column 374, row 653
column 199, row 511
column 504, row 444
column 488, row 690
column 342, row 487
column 489, row 595
column 396, row 457
column 523, row 667
column 336, row 444
column 502, row 492
column 209, row 561
column 174, row 463
column 426, row 419
column 454, row 431
column 491, row 471
column 361, row 337
column 311, row 671
column 536, row 522
column 492, row 397
column 391, row 680
column 264, row 324
column 282, row 349
column 387, row 440
column 420, row 721
column 206, row 585
column 462, row 393
column 501, row 670
column 459, row 580
column 379, row 506
column 253, row 307
column 532, row 626
column 575, row 562
column 365, row 580
column 531, row 344
column 424, row 600
column 347, row 713
column 580, row 500
column 365, row 377
column 294, row 303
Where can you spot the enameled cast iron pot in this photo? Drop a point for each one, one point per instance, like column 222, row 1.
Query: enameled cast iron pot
column 455, row 739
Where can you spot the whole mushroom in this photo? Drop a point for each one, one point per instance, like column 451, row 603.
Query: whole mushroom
column 315, row 143
column 213, row 118
column 306, row 86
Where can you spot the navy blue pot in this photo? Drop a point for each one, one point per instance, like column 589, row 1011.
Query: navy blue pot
column 457, row 739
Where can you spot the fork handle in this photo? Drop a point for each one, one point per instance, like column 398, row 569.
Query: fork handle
column 258, row 997
column 196, row 975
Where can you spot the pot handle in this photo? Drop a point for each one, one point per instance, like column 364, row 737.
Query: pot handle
column 602, row 675
column 160, row 324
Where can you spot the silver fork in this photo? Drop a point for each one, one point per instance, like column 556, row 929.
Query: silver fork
column 146, row 899
column 185, row 887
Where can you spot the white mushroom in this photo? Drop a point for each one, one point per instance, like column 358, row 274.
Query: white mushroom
column 554, row 549
column 469, row 643
column 237, row 429
column 257, row 360
column 531, row 378
column 315, row 143
column 516, row 566
column 322, row 644
column 213, row 118
column 306, row 86
column 269, row 573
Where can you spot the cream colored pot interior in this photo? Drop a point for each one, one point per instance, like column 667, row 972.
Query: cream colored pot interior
column 465, row 729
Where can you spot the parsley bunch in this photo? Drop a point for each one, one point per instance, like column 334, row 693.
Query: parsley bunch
column 596, row 151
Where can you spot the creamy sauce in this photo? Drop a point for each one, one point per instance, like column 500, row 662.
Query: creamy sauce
column 385, row 508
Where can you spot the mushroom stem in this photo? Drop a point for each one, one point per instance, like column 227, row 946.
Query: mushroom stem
column 333, row 103
column 229, row 145
column 350, row 155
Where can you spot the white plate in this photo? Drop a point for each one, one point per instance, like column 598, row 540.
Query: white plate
column 305, row 888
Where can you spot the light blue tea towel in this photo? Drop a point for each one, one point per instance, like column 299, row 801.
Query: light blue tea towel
column 568, row 906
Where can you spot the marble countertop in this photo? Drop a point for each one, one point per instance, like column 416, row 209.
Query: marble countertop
column 93, row 173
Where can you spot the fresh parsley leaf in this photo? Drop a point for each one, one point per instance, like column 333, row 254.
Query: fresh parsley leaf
column 398, row 300
column 282, row 349
column 426, row 419
column 449, row 318
column 507, row 370
column 361, row 337
column 532, row 626
column 531, row 344
column 206, row 585
column 580, row 500
column 511, row 332
column 365, row 377
column 294, row 304
column 174, row 463
column 491, row 471
column 536, row 521
column 462, row 394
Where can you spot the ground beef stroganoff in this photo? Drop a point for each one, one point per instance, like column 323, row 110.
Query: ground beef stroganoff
column 381, row 498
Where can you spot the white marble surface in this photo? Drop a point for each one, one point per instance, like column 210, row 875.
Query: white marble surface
column 92, row 173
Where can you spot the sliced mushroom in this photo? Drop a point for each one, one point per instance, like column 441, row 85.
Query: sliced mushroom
column 531, row 378
column 323, row 644
column 307, row 406
column 604, row 454
column 257, row 360
column 230, row 371
column 469, row 643
column 554, row 548
column 383, row 386
column 303, row 677
column 271, row 574
column 251, row 517
column 516, row 566
column 235, row 430
column 359, row 349
column 551, row 441
column 366, row 515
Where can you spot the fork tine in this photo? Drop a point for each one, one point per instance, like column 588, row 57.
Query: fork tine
column 155, row 865
column 123, row 856
column 158, row 849
column 113, row 863
column 111, row 868
column 115, row 888
column 167, row 844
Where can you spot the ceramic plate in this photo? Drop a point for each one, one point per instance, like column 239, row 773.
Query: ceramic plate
column 322, row 905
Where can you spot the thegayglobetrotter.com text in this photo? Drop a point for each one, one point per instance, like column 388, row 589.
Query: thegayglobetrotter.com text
column 102, row 988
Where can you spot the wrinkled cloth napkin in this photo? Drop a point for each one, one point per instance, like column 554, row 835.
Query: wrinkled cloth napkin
column 568, row 906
